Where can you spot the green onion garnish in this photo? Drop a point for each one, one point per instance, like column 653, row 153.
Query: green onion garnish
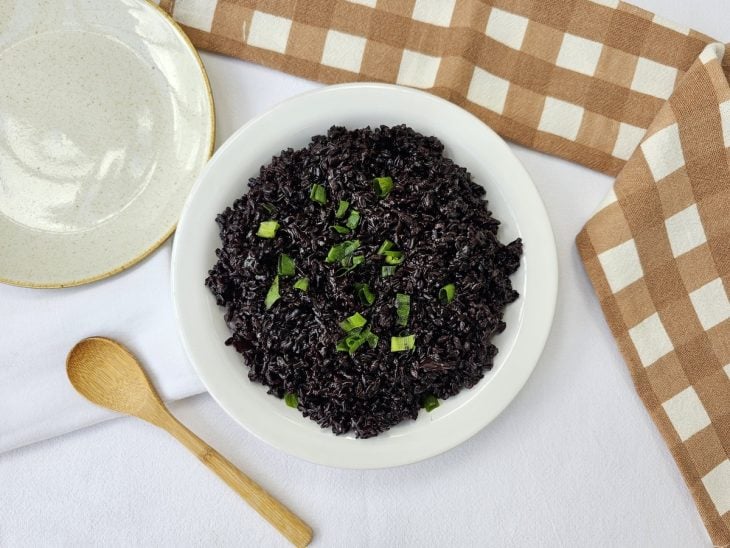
column 356, row 321
column 302, row 284
column 291, row 400
column 318, row 194
column 365, row 294
column 382, row 186
column 350, row 263
column 394, row 257
column 286, row 266
column 402, row 308
column 340, row 229
column 269, row 207
column 335, row 253
column 267, row 229
column 354, row 342
column 342, row 209
column 430, row 403
column 372, row 338
column 401, row 344
column 351, row 343
column 385, row 246
column 340, row 251
column 447, row 293
column 353, row 220
column 356, row 339
column 387, row 271
column 273, row 295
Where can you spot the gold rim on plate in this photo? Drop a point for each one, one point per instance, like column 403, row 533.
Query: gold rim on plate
column 171, row 231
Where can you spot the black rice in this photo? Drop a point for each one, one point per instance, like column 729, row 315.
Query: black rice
column 435, row 215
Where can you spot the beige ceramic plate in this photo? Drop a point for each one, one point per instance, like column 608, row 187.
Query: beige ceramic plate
column 106, row 118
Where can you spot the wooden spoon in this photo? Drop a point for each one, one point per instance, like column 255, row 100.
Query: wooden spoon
column 106, row 373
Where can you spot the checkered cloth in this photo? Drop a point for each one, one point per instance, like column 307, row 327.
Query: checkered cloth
column 586, row 80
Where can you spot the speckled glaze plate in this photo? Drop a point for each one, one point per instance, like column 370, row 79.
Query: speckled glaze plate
column 106, row 119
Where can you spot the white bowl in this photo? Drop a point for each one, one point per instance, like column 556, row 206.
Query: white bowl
column 513, row 199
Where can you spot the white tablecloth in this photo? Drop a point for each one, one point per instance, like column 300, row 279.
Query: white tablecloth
column 574, row 460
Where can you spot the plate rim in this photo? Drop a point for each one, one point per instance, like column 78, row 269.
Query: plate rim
column 156, row 245
column 551, row 290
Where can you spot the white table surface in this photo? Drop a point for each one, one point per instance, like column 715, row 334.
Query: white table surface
column 574, row 460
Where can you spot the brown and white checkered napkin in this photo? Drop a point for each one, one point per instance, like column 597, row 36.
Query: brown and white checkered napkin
column 584, row 80
column 658, row 254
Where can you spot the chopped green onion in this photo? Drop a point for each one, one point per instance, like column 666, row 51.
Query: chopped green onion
column 273, row 295
column 351, row 343
column 334, row 254
column 394, row 257
column 291, row 400
column 447, row 293
column 387, row 271
column 318, row 194
column 385, row 246
column 340, row 229
column 356, row 321
column 430, row 403
column 402, row 308
column 342, row 209
column 365, row 294
column 302, row 284
column 267, row 229
column 401, row 344
column 340, row 251
column 354, row 342
column 382, row 186
column 353, row 220
column 269, row 207
column 351, row 263
column 356, row 339
column 286, row 266
column 346, row 344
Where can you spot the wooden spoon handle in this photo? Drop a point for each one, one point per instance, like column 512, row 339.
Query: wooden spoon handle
column 278, row 515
